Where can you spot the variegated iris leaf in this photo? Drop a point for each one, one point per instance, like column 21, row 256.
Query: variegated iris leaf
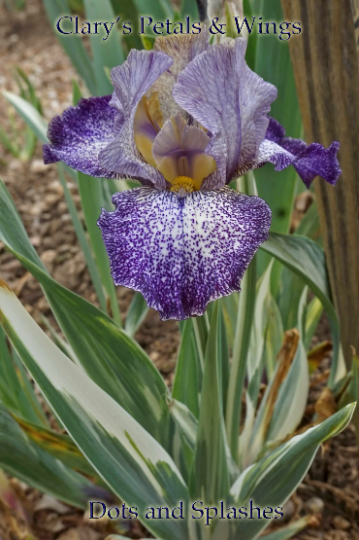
column 23, row 459
column 271, row 481
column 131, row 462
column 107, row 354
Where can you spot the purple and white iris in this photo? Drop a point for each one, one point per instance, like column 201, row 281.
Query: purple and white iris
column 184, row 120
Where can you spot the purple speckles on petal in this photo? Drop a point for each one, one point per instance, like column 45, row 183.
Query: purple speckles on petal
column 78, row 136
column 182, row 253
column 309, row 161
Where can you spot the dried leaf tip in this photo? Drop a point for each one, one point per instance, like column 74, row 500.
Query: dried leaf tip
column 4, row 285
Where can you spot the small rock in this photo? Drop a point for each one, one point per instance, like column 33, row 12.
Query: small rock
column 50, row 199
column 50, row 503
column 29, row 308
column 154, row 356
column 36, row 209
column 15, row 165
column 14, row 38
column 62, row 207
column 42, row 305
column 315, row 505
column 56, row 187
column 38, row 166
column 288, row 510
column 11, row 266
column 36, row 241
column 48, row 258
column 340, row 523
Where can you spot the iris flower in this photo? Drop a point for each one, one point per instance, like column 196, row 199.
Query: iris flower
column 184, row 120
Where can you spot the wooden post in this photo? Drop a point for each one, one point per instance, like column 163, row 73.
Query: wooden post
column 326, row 69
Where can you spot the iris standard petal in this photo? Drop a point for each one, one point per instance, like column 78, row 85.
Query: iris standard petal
column 309, row 161
column 232, row 102
column 78, row 136
column 182, row 253
column 131, row 81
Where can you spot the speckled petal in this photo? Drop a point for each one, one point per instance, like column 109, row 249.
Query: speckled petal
column 131, row 81
column 309, row 161
column 219, row 90
column 182, row 253
column 78, row 136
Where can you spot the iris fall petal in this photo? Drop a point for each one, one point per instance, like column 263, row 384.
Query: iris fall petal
column 308, row 160
column 78, row 136
column 182, row 253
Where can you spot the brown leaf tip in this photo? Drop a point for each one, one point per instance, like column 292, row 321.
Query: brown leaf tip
column 4, row 285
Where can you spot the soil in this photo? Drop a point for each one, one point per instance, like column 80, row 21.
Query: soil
column 331, row 488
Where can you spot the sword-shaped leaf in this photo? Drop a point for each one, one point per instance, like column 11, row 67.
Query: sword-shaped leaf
column 271, row 481
column 210, row 476
column 131, row 462
column 24, row 460
column 306, row 259
column 108, row 355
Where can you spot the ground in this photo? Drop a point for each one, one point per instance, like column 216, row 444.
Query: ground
column 330, row 489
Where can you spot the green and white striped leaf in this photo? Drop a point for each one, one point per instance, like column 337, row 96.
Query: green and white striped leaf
column 16, row 392
column 186, row 422
column 313, row 314
column 254, row 363
column 90, row 190
column 136, row 314
column 272, row 480
column 83, row 241
column 133, row 464
column 293, row 394
column 242, row 339
column 186, row 387
column 61, row 447
column 184, row 436
column 245, row 317
column 210, row 476
column 273, row 338
column 230, row 313
column 292, row 285
column 107, row 354
column 288, row 532
column 29, row 114
column 29, row 463
column 290, row 403
column 306, row 259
